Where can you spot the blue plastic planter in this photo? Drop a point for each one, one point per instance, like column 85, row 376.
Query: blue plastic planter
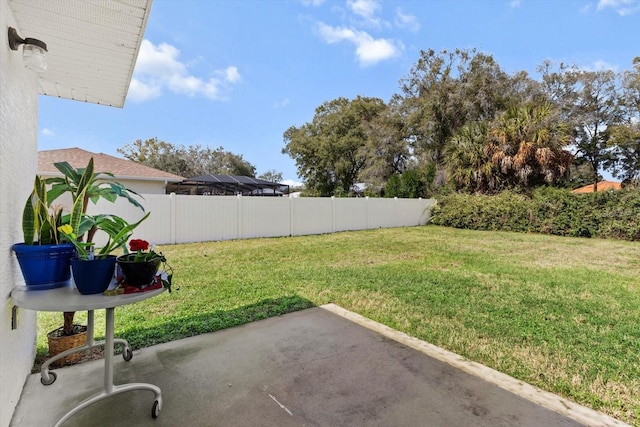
column 93, row 277
column 45, row 266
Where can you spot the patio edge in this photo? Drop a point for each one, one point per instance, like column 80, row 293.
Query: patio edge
column 553, row 402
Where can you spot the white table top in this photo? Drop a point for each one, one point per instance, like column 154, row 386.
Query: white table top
column 69, row 299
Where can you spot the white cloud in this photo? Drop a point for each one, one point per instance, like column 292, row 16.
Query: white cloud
column 598, row 65
column 312, row 2
column 48, row 132
column 368, row 50
column 623, row 7
column 159, row 68
column 602, row 66
column 232, row 75
column 515, row 3
column 406, row 20
column 281, row 103
column 158, row 60
column 586, row 8
column 371, row 51
column 367, row 9
column 139, row 91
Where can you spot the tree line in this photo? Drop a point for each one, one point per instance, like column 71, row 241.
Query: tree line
column 192, row 161
column 461, row 123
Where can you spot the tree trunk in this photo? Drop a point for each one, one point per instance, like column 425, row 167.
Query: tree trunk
column 68, row 322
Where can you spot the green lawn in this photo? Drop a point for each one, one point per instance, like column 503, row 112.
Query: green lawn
column 559, row 313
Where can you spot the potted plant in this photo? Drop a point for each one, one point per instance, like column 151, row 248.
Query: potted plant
column 43, row 256
column 93, row 268
column 84, row 185
column 140, row 267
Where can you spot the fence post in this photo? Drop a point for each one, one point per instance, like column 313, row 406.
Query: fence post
column 366, row 220
column 172, row 218
column 290, row 216
column 333, row 214
column 239, row 197
column 395, row 211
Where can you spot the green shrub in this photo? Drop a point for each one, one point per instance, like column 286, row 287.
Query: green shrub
column 409, row 185
column 608, row 214
column 392, row 189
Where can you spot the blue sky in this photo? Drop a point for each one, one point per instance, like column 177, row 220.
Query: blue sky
column 238, row 73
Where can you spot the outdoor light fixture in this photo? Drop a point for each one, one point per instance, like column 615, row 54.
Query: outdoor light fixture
column 33, row 52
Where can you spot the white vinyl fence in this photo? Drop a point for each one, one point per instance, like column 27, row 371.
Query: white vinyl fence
column 182, row 219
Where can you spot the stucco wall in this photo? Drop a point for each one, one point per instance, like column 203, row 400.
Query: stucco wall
column 18, row 162
column 144, row 187
column 104, row 207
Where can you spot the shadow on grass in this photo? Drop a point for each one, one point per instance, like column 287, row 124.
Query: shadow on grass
column 197, row 324
column 210, row 322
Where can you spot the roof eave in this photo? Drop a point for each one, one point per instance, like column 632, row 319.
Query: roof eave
column 92, row 46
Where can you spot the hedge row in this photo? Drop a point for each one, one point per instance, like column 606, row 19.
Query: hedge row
column 608, row 214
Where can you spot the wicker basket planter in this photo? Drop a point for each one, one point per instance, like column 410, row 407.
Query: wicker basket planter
column 58, row 342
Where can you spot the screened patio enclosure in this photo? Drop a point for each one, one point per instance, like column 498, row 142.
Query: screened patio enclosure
column 228, row 185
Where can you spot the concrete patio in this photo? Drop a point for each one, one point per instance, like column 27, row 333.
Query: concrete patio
column 323, row 366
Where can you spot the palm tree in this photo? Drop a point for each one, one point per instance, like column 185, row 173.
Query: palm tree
column 527, row 145
column 468, row 165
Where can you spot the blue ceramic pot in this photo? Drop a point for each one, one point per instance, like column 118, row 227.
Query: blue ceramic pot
column 94, row 276
column 45, row 266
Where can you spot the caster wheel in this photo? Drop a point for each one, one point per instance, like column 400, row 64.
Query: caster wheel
column 127, row 354
column 52, row 379
column 155, row 410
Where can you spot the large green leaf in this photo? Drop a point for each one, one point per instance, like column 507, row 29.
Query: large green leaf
column 28, row 221
column 118, row 230
column 77, row 213
column 68, row 171
column 39, row 219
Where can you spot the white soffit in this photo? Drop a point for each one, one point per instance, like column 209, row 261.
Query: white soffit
column 92, row 45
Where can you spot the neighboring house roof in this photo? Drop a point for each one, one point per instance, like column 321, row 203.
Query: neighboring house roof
column 602, row 186
column 359, row 187
column 92, row 46
column 122, row 169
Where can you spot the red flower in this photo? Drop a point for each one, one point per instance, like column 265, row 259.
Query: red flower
column 138, row 245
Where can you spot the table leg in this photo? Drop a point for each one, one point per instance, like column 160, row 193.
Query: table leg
column 108, row 351
column 48, row 378
column 109, row 388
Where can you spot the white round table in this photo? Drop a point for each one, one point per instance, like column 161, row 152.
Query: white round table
column 69, row 299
